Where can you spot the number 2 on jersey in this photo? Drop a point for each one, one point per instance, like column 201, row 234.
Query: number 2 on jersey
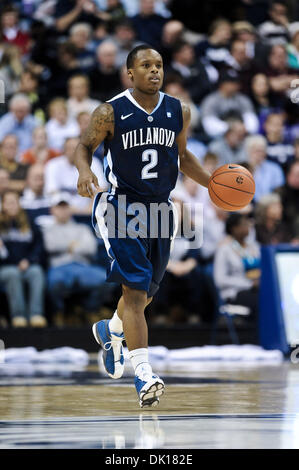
column 150, row 155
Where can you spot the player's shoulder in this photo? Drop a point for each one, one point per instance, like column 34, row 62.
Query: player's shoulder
column 182, row 104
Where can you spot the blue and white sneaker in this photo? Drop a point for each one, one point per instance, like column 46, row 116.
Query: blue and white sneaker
column 111, row 343
column 149, row 388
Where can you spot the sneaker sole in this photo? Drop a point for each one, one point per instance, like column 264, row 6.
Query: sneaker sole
column 150, row 398
column 120, row 367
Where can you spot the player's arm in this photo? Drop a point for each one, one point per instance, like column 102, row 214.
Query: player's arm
column 101, row 126
column 189, row 165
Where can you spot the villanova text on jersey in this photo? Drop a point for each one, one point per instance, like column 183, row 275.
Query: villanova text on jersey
column 141, row 160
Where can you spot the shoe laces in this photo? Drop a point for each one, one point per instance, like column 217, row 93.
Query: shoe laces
column 114, row 343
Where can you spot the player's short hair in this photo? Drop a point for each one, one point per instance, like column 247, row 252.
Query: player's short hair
column 132, row 55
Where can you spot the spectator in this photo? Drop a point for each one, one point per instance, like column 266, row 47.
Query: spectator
column 293, row 46
column 83, row 120
column 34, row 199
column 174, row 86
column 61, row 175
column 148, row 24
column 275, row 30
column 279, row 73
column 79, row 99
column 68, row 12
column 172, row 34
column 105, row 77
column 80, row 37
column 260, row 95
column 19, row 121
column 60, row 126
column 10, row 69
column 70, row 247
column 268, row 221
column 185, row 289
column 267, row 175
column 279, row 150
column 125, row 39
column 289, row 193
column 29, row 86
column 10, row 29
column 8, row 160
column 214, row 220
column 242, row 63
column 113, row 14
column 4, row 182
column 296, row 148
column 227, row 103
column 237, row 265
column 21, row 250
column 216, row 47
column 191, row 71
column 40, row 151
column 230, row 147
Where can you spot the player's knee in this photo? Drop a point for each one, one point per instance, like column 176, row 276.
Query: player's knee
column 135, row 299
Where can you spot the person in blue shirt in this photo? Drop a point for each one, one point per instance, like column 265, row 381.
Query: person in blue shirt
column 145, row 135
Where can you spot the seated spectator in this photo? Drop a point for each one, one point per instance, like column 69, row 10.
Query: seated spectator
column 296, row 149
column 186, row 292
column 79, row 99
column 289, row 194
column 279, row 73
column 70, row 247
column 293, row 46
column 105, row 77
column 61, row 175
column 255, row 49
column 192, row 72
column 125, row 39
column 4, row 182
column 9, row 161
column 261, row 96
column 227, row 103
column 214, row 220
column 29, row 86
column 242, row 64
column 10, row 69
column 267, row 175
column 237, row 265
column 10, row 29
column 19, row 121
column 83, row 120
column 113, row 15
column 275, row 30
column 172, row 34
column 21, row 255
column 230, row 147
column 174, row 86
column 34, row 199
column 279, row 150
column 269, row 227
column 40, row 151
column 68, row 12
column 80, row 37
column 216, row 47
column 148, row 24
column 60, row 126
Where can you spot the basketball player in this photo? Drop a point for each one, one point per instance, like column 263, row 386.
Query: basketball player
column 144, row 131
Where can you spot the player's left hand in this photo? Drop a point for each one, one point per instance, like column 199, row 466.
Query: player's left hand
column 88, row 184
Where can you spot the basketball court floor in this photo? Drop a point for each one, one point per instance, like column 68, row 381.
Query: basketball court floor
column 211, row 406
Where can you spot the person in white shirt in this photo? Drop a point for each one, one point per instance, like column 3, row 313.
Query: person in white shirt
column 60, row 126
column 61, row 174
column 79, row 100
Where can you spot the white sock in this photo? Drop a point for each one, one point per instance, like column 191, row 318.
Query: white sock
column 115, row 324
column 139, row 360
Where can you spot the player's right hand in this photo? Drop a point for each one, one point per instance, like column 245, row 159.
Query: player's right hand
column 88, row 184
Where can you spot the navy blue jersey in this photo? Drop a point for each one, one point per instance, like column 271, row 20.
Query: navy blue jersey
column 142, row 158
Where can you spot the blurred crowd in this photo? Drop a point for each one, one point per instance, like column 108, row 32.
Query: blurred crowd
column 59, row 59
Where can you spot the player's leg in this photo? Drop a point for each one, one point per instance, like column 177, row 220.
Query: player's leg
column 148, row 385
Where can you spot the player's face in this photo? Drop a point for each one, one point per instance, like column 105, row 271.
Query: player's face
column 147, row 73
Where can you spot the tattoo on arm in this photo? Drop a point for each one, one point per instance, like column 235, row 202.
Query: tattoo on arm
column 100, row 127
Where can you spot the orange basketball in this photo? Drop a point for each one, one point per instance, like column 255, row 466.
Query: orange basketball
column 231, row 187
